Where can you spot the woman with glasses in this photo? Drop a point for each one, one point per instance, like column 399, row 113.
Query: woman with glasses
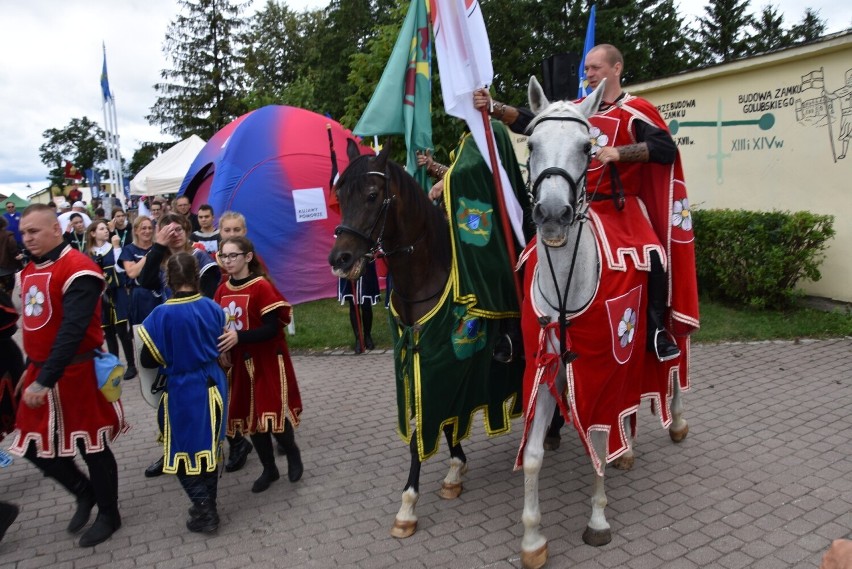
column 265, row 400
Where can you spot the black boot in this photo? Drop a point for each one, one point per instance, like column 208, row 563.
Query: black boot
column 657, row 339
column 126, row 338
column 367, row 321
column 263, row 444
column 237, row 456
column 66, row 473
column 203, row 517
column 8, row 513
column 85, row 502
column 105, row 525
column 287, row 446
column 269, row 475
column 295, row 468
column 155, row 468
column 103, row 472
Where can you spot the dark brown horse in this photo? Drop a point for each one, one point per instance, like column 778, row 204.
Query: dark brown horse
column 385, row 213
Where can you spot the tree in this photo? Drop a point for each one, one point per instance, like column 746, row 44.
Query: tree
column 523, row 33
column 202, row 93
column 722, row 33
column 769, row 31
column 345, row 30
column 81, row 143
column 811, row 27
column 274, row 51
column 659, row 44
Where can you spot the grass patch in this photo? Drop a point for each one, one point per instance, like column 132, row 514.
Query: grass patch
column 723, row 323
column 323, row 325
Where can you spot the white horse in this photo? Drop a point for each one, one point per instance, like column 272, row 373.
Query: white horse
column 562, row 287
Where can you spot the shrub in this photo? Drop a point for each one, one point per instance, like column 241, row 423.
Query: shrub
column 756, row 258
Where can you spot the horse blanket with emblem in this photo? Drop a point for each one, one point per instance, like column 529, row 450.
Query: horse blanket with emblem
column 445, row 374
column 613, row 371
column 444, row 367
column 483, row 280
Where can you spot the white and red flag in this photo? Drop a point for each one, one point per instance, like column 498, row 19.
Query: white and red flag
column 464, row 63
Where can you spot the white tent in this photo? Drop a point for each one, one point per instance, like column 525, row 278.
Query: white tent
column 165, row 173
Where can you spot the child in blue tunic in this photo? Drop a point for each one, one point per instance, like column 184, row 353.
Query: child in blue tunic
column 181, row 335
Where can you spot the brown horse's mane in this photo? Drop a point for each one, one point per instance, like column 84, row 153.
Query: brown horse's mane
column 416, row 205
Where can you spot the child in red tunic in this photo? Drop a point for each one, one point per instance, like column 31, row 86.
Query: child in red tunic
column 264, row 399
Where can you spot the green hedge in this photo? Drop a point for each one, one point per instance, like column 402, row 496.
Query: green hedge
column 756, row 258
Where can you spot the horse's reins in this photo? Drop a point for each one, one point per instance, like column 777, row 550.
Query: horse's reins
column 579, row 190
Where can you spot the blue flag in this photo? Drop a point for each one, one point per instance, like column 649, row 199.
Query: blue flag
column 587, row 47
column 105, row 80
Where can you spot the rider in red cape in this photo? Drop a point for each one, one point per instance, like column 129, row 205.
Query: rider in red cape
column 650, row 224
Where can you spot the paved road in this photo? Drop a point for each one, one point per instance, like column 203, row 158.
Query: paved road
column 763, row 481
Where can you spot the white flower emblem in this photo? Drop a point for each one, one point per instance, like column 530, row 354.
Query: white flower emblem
column 34, row 302
column 232, row 315
column 681, row 215
column 627, row 327
column 597, row 138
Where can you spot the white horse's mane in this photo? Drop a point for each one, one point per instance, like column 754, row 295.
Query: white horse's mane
column 558, row 108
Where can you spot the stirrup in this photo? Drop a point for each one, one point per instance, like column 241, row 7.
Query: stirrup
column 670, row 355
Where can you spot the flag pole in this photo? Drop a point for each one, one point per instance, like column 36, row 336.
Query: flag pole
column 501, row 205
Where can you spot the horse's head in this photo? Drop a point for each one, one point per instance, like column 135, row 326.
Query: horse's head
column 559, row 157
column 363, row 191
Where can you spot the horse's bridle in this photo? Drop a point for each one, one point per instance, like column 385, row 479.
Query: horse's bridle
column 579, row 215
column 376, row 246
column 578, row 187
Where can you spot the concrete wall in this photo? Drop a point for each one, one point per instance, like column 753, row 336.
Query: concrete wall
column 755, row 135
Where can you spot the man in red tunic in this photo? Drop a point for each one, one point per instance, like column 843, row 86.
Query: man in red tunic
column 63, row 411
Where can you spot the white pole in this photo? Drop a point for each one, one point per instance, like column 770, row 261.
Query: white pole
column 108, row 145
column 117, row 153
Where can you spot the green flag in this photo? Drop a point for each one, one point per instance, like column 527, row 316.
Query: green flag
column 401, row 103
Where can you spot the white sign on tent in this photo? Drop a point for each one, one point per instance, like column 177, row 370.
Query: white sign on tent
column 165, row 173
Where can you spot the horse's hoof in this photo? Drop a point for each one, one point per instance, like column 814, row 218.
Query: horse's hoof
column 596, row 537
column 552, row 443
column 534, row 559
column 624, row 462
column 678, row 436
column 403, row 528
column 450, row 491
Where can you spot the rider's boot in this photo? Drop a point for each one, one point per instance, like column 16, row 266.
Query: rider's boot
column 658, row 339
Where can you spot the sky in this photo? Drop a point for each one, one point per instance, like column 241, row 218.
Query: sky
column 53, row 54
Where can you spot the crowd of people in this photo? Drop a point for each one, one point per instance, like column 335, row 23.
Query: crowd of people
column 174, row 279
